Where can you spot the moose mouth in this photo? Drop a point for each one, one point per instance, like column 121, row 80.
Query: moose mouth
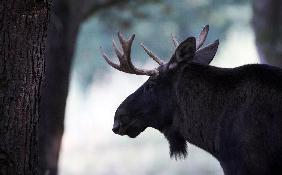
column 131, row 129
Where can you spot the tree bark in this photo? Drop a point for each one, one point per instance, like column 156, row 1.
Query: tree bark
column 267, row 17
column 23, row 28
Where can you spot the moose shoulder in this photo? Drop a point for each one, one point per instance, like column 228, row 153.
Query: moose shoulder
column 234, row 114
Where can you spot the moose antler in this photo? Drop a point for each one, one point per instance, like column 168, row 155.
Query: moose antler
column 152, row 55
column 174, row 40
column 125, row 59
column 201, row 39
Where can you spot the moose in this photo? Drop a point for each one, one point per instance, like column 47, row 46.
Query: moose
column 235, row 114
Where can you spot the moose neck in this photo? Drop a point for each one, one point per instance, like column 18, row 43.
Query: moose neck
column 200, row 104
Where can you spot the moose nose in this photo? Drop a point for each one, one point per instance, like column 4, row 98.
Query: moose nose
column 116, row 127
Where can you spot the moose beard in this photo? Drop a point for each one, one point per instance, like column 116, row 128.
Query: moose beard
column 177, row 144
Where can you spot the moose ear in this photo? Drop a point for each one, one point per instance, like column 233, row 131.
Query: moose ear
column 206, row 54
column 186, row 50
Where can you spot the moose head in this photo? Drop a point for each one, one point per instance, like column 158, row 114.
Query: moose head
column 154, row 104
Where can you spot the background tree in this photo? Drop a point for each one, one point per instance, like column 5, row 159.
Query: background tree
column 267, row 15
column 23, row 27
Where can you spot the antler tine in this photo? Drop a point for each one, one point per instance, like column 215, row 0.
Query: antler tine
column 126, row 44
column 202, row 37
column 152, row 55
column 125, row 59
column 121, row 38
column 174, row 40
column 117, row 50
column 106, row 57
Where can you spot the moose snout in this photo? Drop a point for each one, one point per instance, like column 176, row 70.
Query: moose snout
column 116, row 127
column 117, row 124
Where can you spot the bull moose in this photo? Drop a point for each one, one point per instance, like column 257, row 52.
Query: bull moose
column 235, row 114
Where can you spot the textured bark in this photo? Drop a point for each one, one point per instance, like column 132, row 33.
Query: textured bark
column 268, row 30
column 23, row 27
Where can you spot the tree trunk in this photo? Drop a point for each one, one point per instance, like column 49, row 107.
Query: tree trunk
column 62, row 35
column 267, row 24
column 23, row 27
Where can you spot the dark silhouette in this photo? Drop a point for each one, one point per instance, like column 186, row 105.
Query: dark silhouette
column 234, row 114
column 23, row 29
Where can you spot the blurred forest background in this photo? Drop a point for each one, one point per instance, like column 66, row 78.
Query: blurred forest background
column 81, row 92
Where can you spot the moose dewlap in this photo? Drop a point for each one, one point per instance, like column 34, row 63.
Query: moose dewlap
column 234, row 114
